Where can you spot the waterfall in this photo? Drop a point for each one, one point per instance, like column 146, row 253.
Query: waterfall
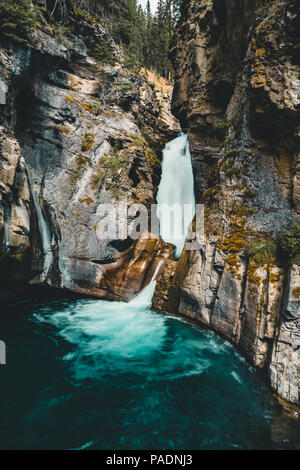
column 176, row 197
column 144, row 299
column 175, row 205
column 45, row 236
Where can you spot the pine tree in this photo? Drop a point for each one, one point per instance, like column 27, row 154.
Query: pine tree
column 144, row 35
column 18, row 18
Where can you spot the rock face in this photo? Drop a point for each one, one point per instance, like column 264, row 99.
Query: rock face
column 75, row 134
column 237, row 91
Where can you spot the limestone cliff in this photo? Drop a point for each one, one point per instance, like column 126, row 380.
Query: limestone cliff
column 77, row 130
column 237, row 91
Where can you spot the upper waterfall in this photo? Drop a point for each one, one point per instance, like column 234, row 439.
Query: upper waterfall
column 176, row 197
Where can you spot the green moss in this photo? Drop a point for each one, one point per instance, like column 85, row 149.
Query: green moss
column 64, row 129
column 80, row 13
column 248, row 193
column 97, row 180
column 95, row 107
column 112, row 166
column 126, row 87
column 254, row 280
column 209, row 193
column 81, row 161
column 87, row 142
column 296, row 292
column 220, row 126
column 137, row 139
column 238, row 238
column 230, row 153
column 264, row 252
column 87, row 200
column 227, row 163
column 236, row 119
column 114, row 162
column 290, row 243
column 229, row 169
column 140, row 141
column 60, row 32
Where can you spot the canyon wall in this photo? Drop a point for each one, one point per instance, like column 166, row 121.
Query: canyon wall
column 77, row 130
column 237, row 92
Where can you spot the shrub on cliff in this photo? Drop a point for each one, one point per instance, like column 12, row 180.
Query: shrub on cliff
column 264, row 252
column 104, row 53
column 290, row 243
column 19, row 18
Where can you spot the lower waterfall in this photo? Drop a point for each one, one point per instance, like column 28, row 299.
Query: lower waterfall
column 116, row 375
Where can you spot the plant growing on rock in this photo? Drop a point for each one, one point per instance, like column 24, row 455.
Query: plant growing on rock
column 229, row 168
column 95, row 108
column 18, row 19
column 64, row 129
column 111, row 169
column 296, row 292
column 126, row 87
column 104, row 53
column 236, row 119
column 263, row 252
column 117, row 145
column 141, row 142
column 97, row 181
column 81, row 161
column 60, row 32
column 87, row 142
column 290, row 244
column 220, row 126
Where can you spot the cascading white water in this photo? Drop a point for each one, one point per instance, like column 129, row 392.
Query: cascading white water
column 45, row 235
column 176, row 192
column 144, row 298
column 176, row 197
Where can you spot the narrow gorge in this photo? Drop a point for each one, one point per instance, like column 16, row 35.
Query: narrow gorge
column 190, row 337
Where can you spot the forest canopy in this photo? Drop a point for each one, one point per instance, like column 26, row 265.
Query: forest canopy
column 144, row 35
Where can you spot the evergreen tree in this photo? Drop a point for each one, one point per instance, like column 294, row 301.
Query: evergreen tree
column 145, row 36
column 18, row 18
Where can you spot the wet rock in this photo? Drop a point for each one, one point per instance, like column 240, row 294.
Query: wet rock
column 236, row 91
column 76, row 135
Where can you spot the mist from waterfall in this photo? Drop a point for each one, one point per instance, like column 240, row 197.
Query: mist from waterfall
column 176, row 196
